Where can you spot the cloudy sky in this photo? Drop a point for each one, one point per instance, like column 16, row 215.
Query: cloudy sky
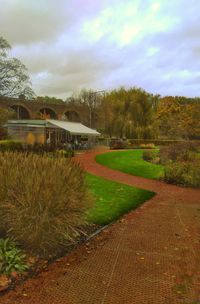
column 68, row 45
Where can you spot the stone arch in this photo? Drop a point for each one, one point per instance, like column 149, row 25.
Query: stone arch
column 72, row 115
column 21, row 111
column 47, row 112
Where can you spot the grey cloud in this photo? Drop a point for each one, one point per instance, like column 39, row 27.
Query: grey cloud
column 70, row 67
column 63, row 86
column 52, row 44
column 29, row 21
column 25, row 21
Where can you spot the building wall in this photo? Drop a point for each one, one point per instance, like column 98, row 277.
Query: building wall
column 33, row 109
column 28, row 135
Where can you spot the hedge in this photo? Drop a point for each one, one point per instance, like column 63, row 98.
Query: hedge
column 10, row 145
column 160, row 142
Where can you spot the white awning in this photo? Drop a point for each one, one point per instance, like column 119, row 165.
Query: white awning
column 75, row 128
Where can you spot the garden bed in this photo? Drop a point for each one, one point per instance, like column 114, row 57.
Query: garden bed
column 175, row 164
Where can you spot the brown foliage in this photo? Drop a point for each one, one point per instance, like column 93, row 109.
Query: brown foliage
column 182, row 164
column 178, row 152
column 186, row 173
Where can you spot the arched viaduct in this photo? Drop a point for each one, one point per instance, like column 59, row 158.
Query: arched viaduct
column 36, row 110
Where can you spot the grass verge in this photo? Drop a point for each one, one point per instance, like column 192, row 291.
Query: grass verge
column 113, row 199
column 131, row 162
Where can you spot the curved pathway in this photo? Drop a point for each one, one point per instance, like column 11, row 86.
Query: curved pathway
column 150, row 256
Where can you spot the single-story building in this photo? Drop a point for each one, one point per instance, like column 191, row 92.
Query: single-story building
column 50, row 131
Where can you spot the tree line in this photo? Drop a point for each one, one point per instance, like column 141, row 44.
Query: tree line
column 135, row 113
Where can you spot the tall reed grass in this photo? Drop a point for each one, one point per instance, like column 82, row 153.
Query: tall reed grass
column 42, row 201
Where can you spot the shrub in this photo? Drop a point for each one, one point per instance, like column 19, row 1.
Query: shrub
column 42, row 201
column 184, row 173
column 177, row 152
column 11, row 257
column 65, row 153
column 147, row 146
column 38, row 148
column 148, row 155
column 116, row 144
column 10, row 145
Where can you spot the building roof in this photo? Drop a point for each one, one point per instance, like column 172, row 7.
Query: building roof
column 75, row 128
column 27, row 123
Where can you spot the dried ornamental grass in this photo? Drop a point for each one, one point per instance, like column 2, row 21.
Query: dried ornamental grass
column 42, row 201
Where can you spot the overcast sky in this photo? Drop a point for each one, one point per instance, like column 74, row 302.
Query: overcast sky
column 68, row 45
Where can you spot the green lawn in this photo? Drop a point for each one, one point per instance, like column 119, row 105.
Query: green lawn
column 131, row 162
column 113, row 199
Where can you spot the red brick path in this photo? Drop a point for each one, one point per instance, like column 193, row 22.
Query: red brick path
column 151, row 256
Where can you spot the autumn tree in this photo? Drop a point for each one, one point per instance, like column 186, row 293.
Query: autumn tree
column 179, row 117
column 190, row 120
column 14, row 79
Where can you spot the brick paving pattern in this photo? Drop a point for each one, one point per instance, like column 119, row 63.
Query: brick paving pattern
column 150, row 256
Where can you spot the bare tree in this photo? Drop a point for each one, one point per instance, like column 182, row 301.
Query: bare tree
column 92, row 100
column 14, row 80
